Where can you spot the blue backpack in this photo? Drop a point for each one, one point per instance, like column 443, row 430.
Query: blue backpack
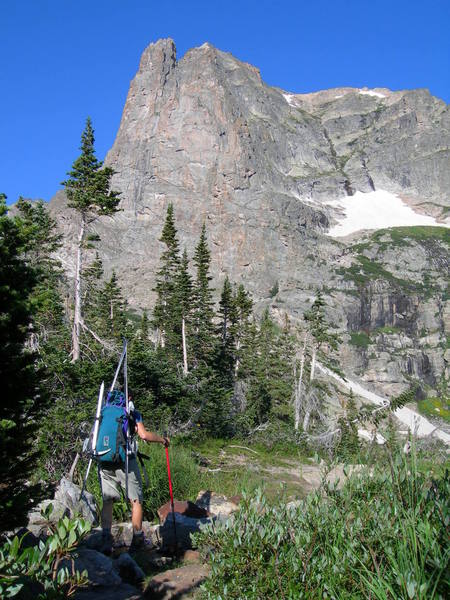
column 113, row 427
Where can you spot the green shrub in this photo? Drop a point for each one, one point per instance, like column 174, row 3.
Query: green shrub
column 41, row 571
column 383, row 535
column 360, row 339
column 435, row 407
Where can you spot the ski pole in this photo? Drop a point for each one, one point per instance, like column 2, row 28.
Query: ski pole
column 94, row 435
column 171, row 494
column 119, row 365
column 127, row 408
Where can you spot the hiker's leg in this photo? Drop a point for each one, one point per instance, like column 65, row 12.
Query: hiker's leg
column 136, row 516
column 107, row 512
column 110, row 492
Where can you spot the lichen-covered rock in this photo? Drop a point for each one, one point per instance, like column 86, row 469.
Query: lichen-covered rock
column 216, row 504
column 84, row 506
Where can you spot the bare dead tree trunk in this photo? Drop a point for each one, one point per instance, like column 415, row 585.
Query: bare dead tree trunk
column 307, row 417
column 298, row 385
column 183, row 337
column 236, row 364
column 77, row 298
column 313, row 363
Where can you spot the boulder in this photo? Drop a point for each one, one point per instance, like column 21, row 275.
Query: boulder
column 216, row 504
column 98, row 566
column 185, row 527
column 128, row 569
column 37, row 524
column 186, row 508
column 69, row 495
column 176, row 583
column 124, row 591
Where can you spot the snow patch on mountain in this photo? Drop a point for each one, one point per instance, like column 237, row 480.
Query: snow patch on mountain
column 372, row 93
column 290, row 99
column 375, row 210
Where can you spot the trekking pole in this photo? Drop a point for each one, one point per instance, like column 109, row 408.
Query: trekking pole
column 94, row 435
column 127, row 405
column 171, row 494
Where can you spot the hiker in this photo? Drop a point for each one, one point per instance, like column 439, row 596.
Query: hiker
column 112, row 478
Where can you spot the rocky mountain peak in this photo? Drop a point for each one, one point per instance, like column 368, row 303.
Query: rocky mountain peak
column 268, row 171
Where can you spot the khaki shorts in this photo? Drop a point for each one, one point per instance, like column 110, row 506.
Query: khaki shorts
column 112, row 478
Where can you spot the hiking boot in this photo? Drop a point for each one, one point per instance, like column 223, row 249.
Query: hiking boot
column 138, row 541
column 106, row 546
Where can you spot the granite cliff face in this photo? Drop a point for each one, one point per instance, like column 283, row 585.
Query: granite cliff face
column 261, row 167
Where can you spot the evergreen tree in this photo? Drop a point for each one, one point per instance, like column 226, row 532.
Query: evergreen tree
column 88, row 191
column 320, row 338
column 242, row 327
column 144, row 328
column 166, row 314
column 92, row 293
column 113, row 309
column 267, row 367
column 203, row 303
column 41, row 242
column 349, row 446
column 21, row 403
column 226, row 333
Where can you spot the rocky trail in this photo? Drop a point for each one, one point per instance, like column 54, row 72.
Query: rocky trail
column 161, row 569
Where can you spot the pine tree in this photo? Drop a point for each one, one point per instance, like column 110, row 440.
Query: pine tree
column 203, row 303
column 113, row 309
column 92, row 293
column 20, row 403
column 267, row 367
column 144, row 328
column 225, row 333
column 89, row 193
column 41, row 242
column 320, row 337
column 349, row 446
column 241, row 328
column 166, row 312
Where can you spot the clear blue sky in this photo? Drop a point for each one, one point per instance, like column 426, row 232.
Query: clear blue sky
column 61, row 60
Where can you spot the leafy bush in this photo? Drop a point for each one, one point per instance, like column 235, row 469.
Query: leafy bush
column 41, row 571
column 383, row 535
column 360, row 339
column 435, row 407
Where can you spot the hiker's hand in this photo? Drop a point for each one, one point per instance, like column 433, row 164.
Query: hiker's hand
column 166, row 442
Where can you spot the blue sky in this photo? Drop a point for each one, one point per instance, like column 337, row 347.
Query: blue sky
column 61, row 60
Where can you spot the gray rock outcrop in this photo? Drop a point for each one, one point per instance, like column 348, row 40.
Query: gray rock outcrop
column 259, row 166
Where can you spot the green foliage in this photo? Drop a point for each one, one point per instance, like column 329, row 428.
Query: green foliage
column 21, row 403
column 88, row 186
column 203, row 303
column 45, row 571
column 318, row 325
column 166, row 314
column 348, row 447
column 435, row 407
column 383, row 535
column 360, row 339
column 267, row 369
